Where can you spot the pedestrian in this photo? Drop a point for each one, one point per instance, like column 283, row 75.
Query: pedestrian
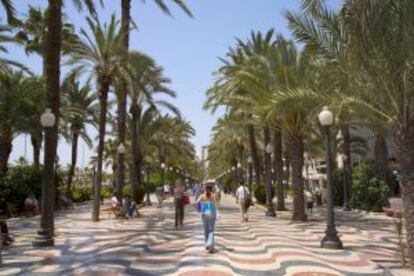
column 309, row 198
column 129, row 207
column 197, row 191
column 217, row 193
column 179, row 193
column 242, row 198
column 116, row 206
column 159, row 192
column 31, row 205
column 209, row 214
column 5, row 238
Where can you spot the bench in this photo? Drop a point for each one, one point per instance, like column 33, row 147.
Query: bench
column 11, row 210
column 395, row 209
column 111, row 211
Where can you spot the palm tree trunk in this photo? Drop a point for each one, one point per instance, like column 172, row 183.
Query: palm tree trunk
column 268, row 174
column 405, row 158
column 137, row 156
column 297, row 179
column 75, row 138
column 346, row 136
column 381, row 159
column 103, row 101
column 5, row 148
column 254, row 152
column 122, row 96
column 36, row 144
column 288, row 163
column 278, row 167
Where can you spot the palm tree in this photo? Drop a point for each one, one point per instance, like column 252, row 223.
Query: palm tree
column 32, row 35
column 122, row 87
column 79, row 110
column 101, row 52
column 229, row 143
column 227, row 87
column 8, row 7
column 382, row 42
column 17, row 91
column 148, row 80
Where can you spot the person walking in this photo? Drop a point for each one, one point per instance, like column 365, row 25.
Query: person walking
column 209, row 214
column 309, row 198
column 242, row 198
column 159, row 192
column 179, row 193
column 217, row 193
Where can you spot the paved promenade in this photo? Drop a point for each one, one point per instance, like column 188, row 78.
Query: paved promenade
column 151, row 245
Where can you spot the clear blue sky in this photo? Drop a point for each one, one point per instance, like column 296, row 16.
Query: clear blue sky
column 187, row 49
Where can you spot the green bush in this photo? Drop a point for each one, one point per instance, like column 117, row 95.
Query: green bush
column 368, row 191
column 107, row 191
column 81, row 193
column 18, row 183
column 260, row 194
column 338, row 187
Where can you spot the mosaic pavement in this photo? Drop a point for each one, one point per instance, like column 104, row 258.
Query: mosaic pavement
column 152, row 246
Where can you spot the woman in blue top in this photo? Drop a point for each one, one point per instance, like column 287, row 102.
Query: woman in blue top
column 208, row 215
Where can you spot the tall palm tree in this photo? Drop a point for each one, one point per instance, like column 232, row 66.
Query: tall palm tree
column 122, row 87
column 101, row 52
column 148, row 80
column 381, row 35
column 17, row 90
column 32, row 35
column 10, row 11
column 79, row 109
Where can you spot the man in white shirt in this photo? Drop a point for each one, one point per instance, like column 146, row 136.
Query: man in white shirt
column 242, row 195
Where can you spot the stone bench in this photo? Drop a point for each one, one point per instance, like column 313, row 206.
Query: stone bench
column 396, row 207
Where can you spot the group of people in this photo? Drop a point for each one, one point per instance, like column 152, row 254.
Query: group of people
column 126, row 209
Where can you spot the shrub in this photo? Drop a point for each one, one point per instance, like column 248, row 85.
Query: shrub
column 260, row 194
column 338, row 187
column 107, row 191
column 19, row 182
column 81, row 193
column 368, row 191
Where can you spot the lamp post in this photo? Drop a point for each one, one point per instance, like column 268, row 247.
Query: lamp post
column 236, row 181
column 46, row 232
column 331, row 239
column 345, row 185
column 250, row 162
column 121, row 153
column 148, row 200
column 268, row 182
column 239, row 173
column 285, row 181
column 162, row 173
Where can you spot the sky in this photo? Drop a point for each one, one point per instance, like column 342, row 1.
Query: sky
column 187, row 48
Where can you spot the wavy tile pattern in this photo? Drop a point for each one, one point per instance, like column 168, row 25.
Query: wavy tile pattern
column 152, row 246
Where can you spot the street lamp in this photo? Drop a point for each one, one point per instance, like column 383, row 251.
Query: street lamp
column 269, row 148
column 46, row 232
column 148, row 200
column 162, row 173
column 331, row 239
column 121, row 148
column 250, row 172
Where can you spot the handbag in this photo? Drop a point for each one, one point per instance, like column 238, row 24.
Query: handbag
column 248, row 203
column 185, row 200
column 198, row 207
